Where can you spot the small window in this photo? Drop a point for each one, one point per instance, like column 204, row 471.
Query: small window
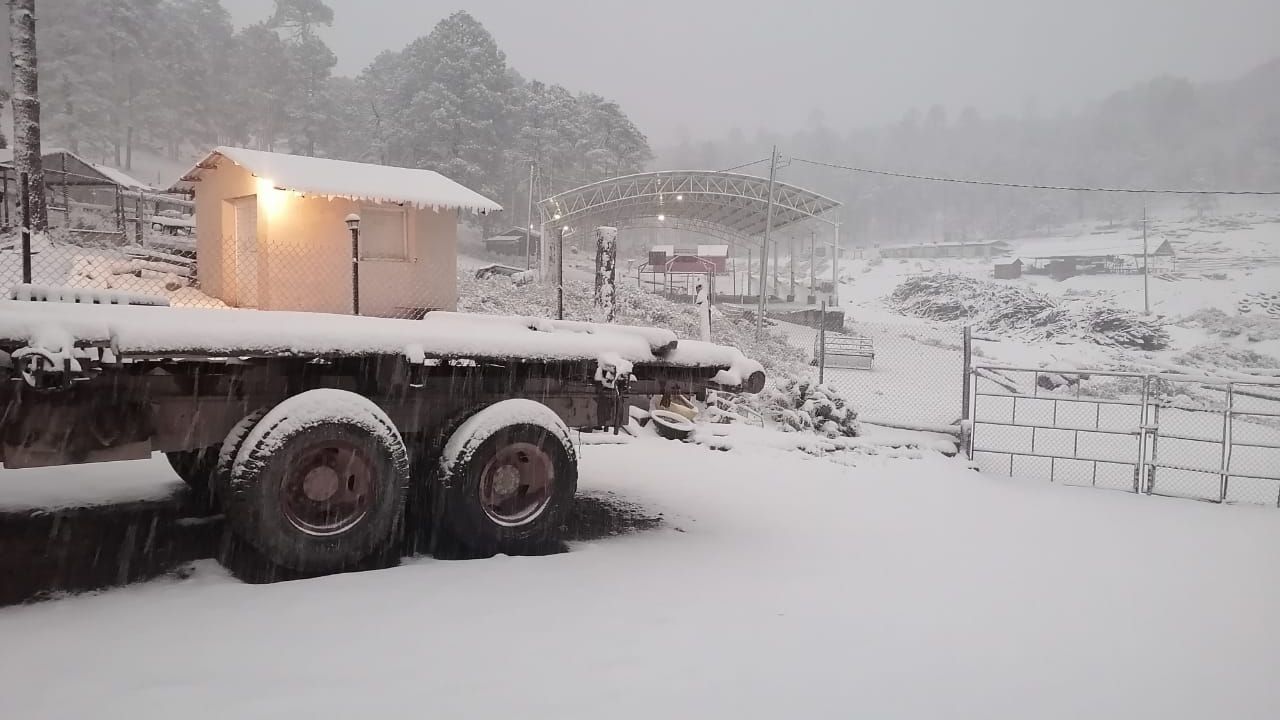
column 384, row 234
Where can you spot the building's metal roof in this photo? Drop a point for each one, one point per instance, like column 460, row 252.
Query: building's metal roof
column 721, row 204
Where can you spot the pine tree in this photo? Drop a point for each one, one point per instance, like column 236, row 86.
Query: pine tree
column 258, row 116
column 26, row 107
column 460, row 108
column 309, row 66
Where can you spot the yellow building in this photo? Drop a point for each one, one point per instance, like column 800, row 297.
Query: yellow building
column 272, row 233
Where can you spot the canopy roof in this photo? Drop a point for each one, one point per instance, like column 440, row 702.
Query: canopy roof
column 717, row 203
column 352, row 180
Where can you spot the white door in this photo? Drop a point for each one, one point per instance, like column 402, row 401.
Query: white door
column 246, row 256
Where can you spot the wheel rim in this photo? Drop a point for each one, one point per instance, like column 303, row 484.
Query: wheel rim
column 516, row 484
column 328, row 489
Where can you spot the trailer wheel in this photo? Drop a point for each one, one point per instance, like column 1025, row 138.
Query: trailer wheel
column 196, row 468
column 319, row 483
column 507, row 479
column 220, row 479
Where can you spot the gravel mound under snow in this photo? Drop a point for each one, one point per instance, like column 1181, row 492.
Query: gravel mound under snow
column 1018, row 311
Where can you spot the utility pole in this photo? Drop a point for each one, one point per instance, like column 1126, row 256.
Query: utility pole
column 775, row 268
column 764, row 247
column 813, row 259
column 791, row 260
column 835, row 268
column 1146, row 266
column 560, row 272
column 528, row 240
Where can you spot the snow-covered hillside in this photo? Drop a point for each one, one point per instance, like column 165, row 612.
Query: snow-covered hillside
column 1218, row 293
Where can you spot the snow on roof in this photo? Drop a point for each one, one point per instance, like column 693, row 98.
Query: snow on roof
column 140, row 330
column 1113, row 246
column 121, row 178
column 352, row 180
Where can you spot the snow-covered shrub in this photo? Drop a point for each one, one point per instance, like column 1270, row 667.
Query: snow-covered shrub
column 800, row 404
column 1215, row 321
column 1019, row 311
column 1223, row 356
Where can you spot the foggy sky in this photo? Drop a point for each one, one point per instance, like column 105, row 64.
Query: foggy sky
column 697, row 68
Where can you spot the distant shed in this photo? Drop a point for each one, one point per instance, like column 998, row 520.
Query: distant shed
column 700, row 259
column 1008, row 270
column 515, row 241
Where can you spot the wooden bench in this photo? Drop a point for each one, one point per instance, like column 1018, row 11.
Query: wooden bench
column 856, row 352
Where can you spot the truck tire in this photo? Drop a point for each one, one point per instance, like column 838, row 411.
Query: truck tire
column 220, row 478
column 196, row 468
column 318, row 485
column 506, row 480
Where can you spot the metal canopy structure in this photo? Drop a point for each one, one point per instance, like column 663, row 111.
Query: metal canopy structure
column 721, row 204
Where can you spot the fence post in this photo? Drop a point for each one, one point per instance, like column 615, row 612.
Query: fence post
column 966, row 383
column 66, row 193
column 24, row 184
column 138, row 230
column 822, row 343
column 1141, row 468
column 1226, row 444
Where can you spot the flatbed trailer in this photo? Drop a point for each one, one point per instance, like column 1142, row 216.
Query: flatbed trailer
column 310, row 431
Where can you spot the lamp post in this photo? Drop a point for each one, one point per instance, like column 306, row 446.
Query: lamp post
column 353, row 224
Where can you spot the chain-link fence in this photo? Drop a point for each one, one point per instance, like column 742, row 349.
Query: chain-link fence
column 1160, row 434
column 896, row 374
column 103, row 234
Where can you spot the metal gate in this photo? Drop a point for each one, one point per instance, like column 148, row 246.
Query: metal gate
column 1159, row 434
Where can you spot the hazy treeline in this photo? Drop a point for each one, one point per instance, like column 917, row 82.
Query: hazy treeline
column 175, row 77
column 1167, row 132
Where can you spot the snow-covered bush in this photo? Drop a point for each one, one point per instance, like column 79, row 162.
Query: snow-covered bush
column 800, row 404
column 1018, row 311
column 1223, row 356
column 1215, row 321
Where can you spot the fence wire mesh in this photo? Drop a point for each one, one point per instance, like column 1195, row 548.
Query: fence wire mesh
column 904, row 375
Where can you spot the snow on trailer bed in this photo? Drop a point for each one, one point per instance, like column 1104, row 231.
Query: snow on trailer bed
column 58, row 329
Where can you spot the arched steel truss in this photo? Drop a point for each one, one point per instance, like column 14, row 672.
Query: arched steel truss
column 720, row 204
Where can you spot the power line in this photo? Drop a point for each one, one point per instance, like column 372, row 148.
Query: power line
column 744, row 165
column 1029, row 186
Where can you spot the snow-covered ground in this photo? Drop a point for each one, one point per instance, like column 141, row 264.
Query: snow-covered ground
column 779, row 585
